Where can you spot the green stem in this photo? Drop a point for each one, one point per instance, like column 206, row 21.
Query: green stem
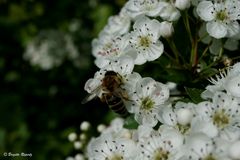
column 194, row 41
column 173, row 48
column 187, row 26
column 194, row 55
column 170, row 57
column 204, row 52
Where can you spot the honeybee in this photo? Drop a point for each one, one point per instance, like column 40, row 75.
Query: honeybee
column 113, row 94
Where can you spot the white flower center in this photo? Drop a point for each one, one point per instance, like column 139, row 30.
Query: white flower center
column 209, row 157
column 160, row 154
column 114, row 157
column 222, row 15
column 221, row 118
column 183, row 128
column 147, row 103
column 144, row 41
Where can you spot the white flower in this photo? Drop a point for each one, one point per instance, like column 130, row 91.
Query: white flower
column 107, row 147
column 162, row 144
column 200, row 124
column 223, row 114
column 118, row 25
column 142, row 133
column 109, row 47
column 217, row 84
column 216, row 45
column 169, row 12
column 144, row 7
column 199, row 146
column 147, row 100
column 221, row 17
column 228, row 80
column 50, row 48
column 178, row 117
column 145, row 40
column 166, row 29
column 116, row 129
column 232, row 83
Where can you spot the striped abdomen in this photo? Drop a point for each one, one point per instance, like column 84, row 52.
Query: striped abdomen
column 116, row 104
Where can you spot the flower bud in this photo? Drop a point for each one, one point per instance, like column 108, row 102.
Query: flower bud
column 101, row 127
column 184, row 116
column 72, row 136
column 79, row 157
column 83, row 137
column 78, row 145
column 166, row 29
column 70, row 158
column 85, row 126
column 182, row 4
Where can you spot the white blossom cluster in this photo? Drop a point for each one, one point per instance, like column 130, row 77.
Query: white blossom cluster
column 209, row 130
column 50, row 48
column 188, row 131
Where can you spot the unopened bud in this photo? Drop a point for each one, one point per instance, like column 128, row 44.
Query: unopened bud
column 72, row 136
column 101, row 127
column 78, row 145
column 83, row 136
column 166, row 29
column 184, row 116
column 85, row 126
column 79, row 157
column 182, row 4
column 70, row 158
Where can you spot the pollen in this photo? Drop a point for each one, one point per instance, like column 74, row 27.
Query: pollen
column 221, row 15
column 147, row 103
column 115, row 157
column 209, row 157
column 144, row 41
column 221, row 119
column 160, row 154
column 183, row 128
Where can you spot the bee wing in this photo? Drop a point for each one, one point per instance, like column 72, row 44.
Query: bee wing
column 92, row 95
column 122, row 94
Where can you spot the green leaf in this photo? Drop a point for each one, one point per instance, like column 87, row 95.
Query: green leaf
column 130, row 123
column 194, row 94
column 208, row 72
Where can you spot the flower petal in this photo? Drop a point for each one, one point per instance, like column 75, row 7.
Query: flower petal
column 205, row 10
column 216, row 29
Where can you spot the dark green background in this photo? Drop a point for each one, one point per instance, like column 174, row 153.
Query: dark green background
column 38, row 109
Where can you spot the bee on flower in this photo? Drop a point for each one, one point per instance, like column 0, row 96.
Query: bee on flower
column 113, row 84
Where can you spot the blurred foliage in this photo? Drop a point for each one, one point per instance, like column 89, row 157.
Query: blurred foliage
column 38, row 109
